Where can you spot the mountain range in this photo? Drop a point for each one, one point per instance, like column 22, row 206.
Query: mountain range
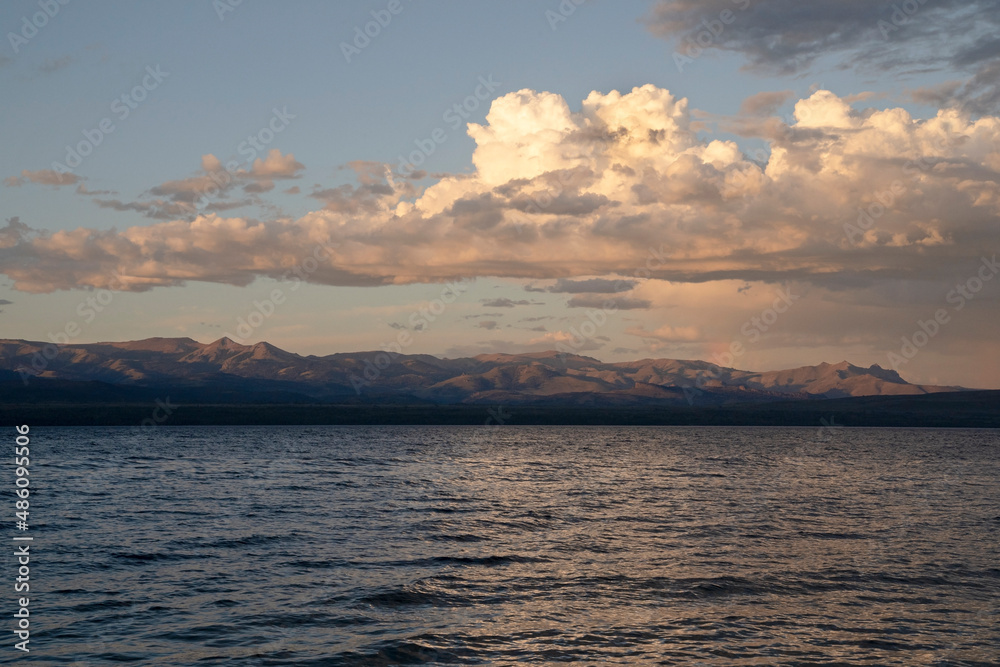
column 227, row 372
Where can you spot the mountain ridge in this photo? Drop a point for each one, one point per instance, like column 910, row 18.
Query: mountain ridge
column 548, row 377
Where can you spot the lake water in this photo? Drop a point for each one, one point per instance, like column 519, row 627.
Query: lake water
column 511, row 545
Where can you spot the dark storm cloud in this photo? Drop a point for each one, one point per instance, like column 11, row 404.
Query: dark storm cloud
column 787, row 36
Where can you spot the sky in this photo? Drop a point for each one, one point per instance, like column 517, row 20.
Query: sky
column 764, row 184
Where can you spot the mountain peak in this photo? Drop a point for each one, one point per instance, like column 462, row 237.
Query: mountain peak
column 225, row 343
column 886, row 374
column 264, row 350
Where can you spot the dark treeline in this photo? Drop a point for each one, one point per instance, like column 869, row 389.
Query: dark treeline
column 978, row 409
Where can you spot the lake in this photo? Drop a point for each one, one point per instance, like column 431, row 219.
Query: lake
column 508, row 545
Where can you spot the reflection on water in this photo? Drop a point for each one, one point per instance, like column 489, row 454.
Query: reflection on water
column 380, row 546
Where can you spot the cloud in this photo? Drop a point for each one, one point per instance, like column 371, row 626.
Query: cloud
column 276, row 165
column 82, row 190
column 55, row 64
column 161, row 209
column 623, row 187
column 188, row 190
column 259, row 186
column 487, row 324
column 788, row 36
column 593, row 285
column 208, row 190
column 42, row 177
column 367, row 172
column 979, row 94
column 603, row 301
column 766, row 103
column 504, row 302
column 667, row 333
column 367, row 199
column 15, row 233
column 551, row 339
column 5, row 302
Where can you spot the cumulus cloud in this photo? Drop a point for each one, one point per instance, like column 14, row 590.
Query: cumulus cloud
column 42, row 177
column 622, row 187
column 276, row 165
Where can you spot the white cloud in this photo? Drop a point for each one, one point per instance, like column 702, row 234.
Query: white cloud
column 597, row 192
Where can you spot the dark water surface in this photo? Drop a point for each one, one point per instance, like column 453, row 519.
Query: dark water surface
column 394, row 545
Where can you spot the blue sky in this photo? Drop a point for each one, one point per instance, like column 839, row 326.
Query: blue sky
column 224, row 74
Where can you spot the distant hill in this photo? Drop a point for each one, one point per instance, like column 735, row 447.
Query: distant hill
column 226, row 372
